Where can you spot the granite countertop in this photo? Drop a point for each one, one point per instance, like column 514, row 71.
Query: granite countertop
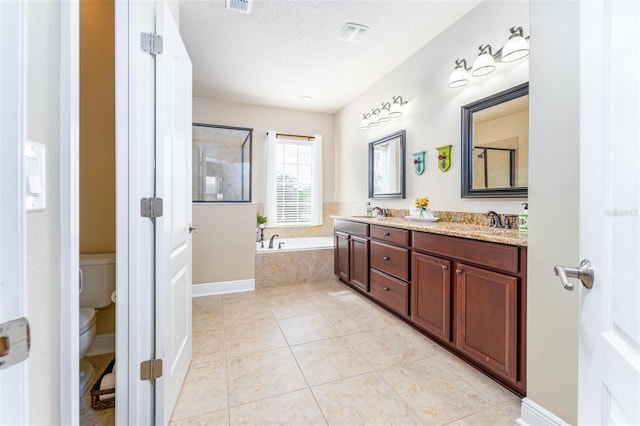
column 463, row 230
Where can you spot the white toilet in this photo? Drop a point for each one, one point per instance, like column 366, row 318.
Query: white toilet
column 97, row 283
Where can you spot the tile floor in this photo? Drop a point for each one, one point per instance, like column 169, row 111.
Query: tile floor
column 321, row 354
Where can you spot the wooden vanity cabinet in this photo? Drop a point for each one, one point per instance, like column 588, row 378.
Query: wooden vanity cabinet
column 469, row 295
column 389, row 261
column 472, row 295
column 487, row 318
column 431, row 295
column 351, row 262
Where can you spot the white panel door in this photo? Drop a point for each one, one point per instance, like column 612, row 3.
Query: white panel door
column 173, row 240
column 609, row 349
column 13, row 379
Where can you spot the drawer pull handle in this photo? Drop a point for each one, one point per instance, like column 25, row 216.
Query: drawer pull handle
column 445, row 267
column 458, row 271
column 386, row 234
column 386, row 258
column 385, row 288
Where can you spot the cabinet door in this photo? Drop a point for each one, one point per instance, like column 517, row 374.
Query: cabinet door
column 359, row 262
column 341, row 261
column 431, row 295
column 486, row 319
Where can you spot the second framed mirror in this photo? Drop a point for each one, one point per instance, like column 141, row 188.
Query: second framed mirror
column 387, row 166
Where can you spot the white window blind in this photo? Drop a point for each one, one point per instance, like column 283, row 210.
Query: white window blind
column 293, row 193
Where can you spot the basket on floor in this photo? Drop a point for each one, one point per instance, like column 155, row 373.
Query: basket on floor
column 96, row 392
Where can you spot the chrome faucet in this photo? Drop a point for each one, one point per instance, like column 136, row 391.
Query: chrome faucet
column 271, row 240
column 494, row 219
column 381, row 212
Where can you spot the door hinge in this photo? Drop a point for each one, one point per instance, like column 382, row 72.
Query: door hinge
column 151, row 207
column 151, row 43
column 151, row 369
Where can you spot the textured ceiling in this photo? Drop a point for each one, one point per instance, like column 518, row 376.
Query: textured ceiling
column 287, row 49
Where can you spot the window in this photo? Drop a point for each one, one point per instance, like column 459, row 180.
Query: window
column 293, row 195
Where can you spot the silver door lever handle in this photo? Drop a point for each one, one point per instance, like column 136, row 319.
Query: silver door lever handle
column 584, row 273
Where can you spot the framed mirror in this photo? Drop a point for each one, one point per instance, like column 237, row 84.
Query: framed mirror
column 221, row 164
column 495, row 145
column 387, row 166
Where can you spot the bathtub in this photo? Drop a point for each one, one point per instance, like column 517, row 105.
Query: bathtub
column 295, row 244
column 299, row 261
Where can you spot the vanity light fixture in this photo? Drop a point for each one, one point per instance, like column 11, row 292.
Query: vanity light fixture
column 460, row 75
column 382, row 114
column 375, row 117
column 516, row 48
column 364, row 123
column 484, row 63
column 396, row 107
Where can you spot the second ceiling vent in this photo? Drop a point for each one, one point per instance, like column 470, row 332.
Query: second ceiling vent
column 242, row 6
column 352, row 32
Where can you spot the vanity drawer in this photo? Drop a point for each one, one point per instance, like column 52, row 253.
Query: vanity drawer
column 389, row 291
column 390, row 235
column 492, row 255
column 390, row 259
column 353, row 228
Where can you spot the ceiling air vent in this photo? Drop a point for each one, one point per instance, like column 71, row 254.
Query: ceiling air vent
column 242, row 6
column 352, row 32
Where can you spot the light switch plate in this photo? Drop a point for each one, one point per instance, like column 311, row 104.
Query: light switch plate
column 35, row 177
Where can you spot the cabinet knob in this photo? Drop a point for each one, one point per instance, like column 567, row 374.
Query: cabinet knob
column 385, row 288
column 386, row 258
column 386, row 234
column 458, row 271
column 445, row 267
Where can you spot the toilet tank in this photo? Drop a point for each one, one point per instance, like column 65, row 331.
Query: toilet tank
column 97, row 279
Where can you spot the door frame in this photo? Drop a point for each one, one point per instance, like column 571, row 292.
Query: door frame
column 69, row 209
column 135, row 175
column 14, row 397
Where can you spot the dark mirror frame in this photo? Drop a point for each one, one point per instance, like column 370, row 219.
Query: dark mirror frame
column 401, row 134
column 467, row 145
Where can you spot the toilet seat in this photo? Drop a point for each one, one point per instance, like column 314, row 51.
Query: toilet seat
column 87, row 319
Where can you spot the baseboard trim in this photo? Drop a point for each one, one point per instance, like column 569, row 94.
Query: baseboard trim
column 104, row 344
column 533, row 414
column 222, row 287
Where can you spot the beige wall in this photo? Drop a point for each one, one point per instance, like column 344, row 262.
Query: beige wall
column 224, row 248
column 97, row 137
column 43, row 227
column 552, row 335
column 432, row 116
column 228, row 231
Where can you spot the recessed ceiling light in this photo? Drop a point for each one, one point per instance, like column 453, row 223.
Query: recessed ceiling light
column 305, row 98
column 352, row 32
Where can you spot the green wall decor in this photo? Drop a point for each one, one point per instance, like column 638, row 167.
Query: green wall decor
column 444, row 157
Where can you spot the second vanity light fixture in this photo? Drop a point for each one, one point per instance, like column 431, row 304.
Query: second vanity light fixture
column 516, row 48
column 385, row 113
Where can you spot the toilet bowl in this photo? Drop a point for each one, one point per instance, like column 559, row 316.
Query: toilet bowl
column 87, row 336
column 97, row 283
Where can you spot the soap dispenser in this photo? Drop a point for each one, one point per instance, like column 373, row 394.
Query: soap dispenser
column 523, row 218
column 369, row 209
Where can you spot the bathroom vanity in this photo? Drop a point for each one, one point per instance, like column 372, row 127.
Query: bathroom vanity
column 462, row 285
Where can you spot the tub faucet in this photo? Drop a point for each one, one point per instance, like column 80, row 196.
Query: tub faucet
column 271, row 240
column 494, row 219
